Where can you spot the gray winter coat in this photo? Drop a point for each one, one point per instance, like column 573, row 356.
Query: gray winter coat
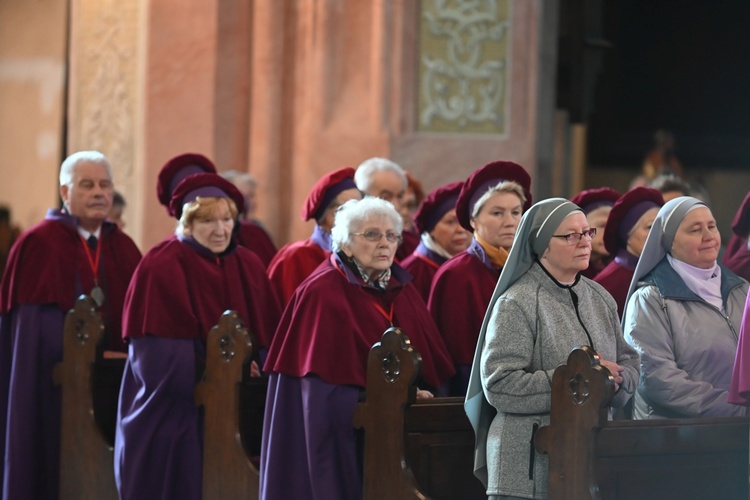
column 687, row 346
column 532, row 329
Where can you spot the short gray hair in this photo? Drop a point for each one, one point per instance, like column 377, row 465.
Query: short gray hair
column 365, row 170
column 352, row 214
column 68, row 167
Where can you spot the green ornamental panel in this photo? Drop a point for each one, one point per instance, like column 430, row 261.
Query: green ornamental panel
column 464, row 66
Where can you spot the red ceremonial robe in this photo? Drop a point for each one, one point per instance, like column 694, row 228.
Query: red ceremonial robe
column 616, row 277
column 739, row 389
column 48, row 269
column 423, row 264
column 253, row 237
column 737, row 254
column 321, row 349
column 177, row 295
column 296, row 261
column 409, row 243
column 461, row 291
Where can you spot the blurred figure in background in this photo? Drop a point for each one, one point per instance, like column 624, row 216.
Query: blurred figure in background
column 661, row 159
column 117, row 210
column 412, row 199
column 596, row 204
column 670, row 186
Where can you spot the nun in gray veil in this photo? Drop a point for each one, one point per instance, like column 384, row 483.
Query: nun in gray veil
column 682, row 314
column 541, row 309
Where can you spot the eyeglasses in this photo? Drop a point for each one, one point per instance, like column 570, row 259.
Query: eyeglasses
column 376, row 236
column 575, row 238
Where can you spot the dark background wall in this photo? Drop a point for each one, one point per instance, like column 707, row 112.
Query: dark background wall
column 683, row 65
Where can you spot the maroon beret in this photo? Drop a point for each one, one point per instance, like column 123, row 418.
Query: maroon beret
column 204, row 185
column 625, row 214
column 485, row 178
column 175, row 170
column 436, row 205
column 325, row 191
column 591, row 199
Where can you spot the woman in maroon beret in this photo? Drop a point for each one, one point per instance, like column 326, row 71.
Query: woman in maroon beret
column 596, row 204
column 490, row 204
column 248, row 234
column 442, row 236
column 297, row 260
column 177, row 294
column 624, row 236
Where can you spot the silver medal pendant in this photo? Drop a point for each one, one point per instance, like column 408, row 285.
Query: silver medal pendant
column 98, row 295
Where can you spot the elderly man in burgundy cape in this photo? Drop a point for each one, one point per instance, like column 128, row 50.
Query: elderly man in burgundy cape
column 73, row 251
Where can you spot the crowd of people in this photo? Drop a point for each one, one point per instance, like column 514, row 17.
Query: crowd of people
column 492, row 289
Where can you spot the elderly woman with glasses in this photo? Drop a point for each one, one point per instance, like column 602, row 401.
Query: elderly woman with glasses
column 318, row 359
column 683, row 315
column 541, row 309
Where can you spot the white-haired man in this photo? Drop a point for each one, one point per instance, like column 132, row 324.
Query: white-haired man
column 385, row 179
column 73, row 251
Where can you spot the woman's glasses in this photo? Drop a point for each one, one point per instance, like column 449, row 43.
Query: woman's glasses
column 376, row 236
column 575, row 238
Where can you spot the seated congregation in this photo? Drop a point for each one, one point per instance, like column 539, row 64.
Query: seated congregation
column 328, row 374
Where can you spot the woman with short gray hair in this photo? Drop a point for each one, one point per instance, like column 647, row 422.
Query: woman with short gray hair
column 318, row 360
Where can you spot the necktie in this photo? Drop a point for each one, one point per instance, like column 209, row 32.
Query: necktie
column 92, row 241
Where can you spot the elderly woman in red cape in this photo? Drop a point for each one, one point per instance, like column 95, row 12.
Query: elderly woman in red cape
column 317, row 362
column 297, row 260
column 490, row 205
column 49, row 267
column 624, row 236
column 177, row 294
column 442, row 236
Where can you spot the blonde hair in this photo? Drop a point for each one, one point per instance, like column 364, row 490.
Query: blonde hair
column 199, row 208
column 502, row 187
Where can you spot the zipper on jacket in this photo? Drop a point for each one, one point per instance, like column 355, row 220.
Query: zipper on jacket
column 532, row 451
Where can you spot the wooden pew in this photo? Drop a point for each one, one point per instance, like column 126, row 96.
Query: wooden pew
column 592, row 457
column 86, row 458
column 233, row 406
column 424, row 448
column 413, row 448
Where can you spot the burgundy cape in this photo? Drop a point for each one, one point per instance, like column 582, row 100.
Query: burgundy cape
column 423, row 264
column 616, row 277
column 253, row 237
column 292, row 264
column 318, row 363
column 408, row 245
column 177, row 295
column 48, row 269
column 739, row 389
column 737, row 255
column 461, row 292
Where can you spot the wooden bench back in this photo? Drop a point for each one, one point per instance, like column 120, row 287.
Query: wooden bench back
column 593, row 457
column 413, row 448
column 227, row 470
column 86, row 457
